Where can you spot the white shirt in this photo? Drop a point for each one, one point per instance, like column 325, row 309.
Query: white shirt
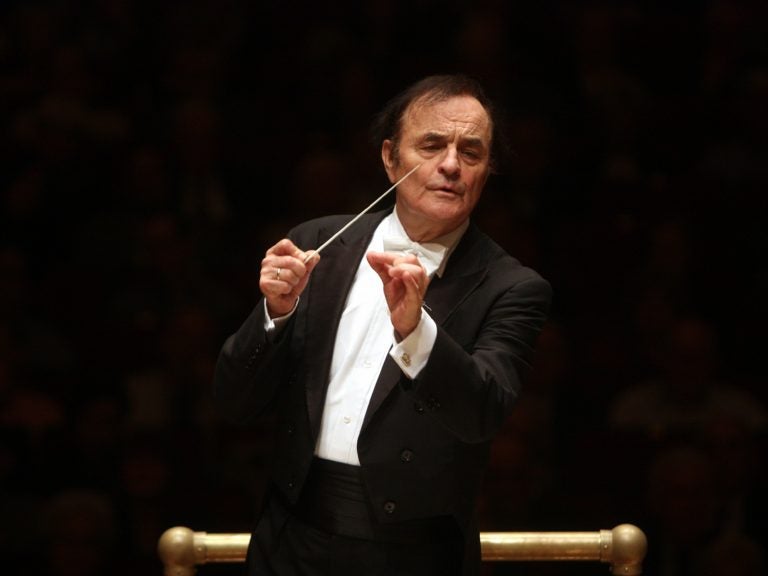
column 364, row 338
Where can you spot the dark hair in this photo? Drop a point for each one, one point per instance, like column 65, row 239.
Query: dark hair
column 388, row 123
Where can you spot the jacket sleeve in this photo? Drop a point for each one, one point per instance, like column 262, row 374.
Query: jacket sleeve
column 252, row 365
column 249, row 369
column 475, row 372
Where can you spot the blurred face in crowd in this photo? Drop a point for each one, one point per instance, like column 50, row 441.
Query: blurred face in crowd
column 451, row 139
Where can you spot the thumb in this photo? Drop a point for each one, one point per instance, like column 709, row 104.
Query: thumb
column 311, row 259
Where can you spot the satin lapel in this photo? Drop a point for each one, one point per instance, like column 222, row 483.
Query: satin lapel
column 445, row 294
column 464, row 273
column 388, row 378
column 327, row 293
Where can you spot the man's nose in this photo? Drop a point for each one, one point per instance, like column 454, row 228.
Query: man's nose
column 449, row 165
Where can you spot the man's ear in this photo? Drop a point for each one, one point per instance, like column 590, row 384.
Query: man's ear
column 387, row 149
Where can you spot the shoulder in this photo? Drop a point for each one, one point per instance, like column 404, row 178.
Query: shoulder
column 319, row 223
column 499, row 278
column 499, row 265
column 318, row 229
column 311, row 232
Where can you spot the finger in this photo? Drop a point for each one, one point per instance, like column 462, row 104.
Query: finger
column 282, row 248
column 285, row 262
column 310, row 259
column 283, row 251
column 275, row 281
column 282, row 278
column 410, row 274
column 411, row 290
column 381, row 262
column 405, row 259
column 388, row 258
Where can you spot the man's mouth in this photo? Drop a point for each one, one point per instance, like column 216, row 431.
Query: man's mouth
column 447, row 189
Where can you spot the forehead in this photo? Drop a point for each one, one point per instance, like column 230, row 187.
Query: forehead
column 464, row 114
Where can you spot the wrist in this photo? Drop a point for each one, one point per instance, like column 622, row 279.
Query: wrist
column 280, row 309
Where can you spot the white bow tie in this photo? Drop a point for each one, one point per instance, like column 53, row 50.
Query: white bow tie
column 430, row 254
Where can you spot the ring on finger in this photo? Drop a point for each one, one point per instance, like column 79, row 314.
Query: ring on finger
column 277, row 274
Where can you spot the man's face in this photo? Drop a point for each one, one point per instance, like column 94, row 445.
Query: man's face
column 451, row 139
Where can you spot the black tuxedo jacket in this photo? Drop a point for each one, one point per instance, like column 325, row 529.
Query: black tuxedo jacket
column 424, row 442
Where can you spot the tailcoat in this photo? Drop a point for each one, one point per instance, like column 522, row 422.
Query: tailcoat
column 424, row 443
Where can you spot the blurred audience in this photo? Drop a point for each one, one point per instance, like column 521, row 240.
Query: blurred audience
column 690, row 395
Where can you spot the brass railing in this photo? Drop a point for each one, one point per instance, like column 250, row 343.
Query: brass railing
column 182, row 550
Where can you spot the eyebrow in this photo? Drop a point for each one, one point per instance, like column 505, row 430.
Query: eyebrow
column 471, row 140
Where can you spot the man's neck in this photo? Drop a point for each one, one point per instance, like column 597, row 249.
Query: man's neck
column 422, row 230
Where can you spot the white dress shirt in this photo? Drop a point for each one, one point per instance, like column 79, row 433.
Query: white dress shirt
column 364, row 338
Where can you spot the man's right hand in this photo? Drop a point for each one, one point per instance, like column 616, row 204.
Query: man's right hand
column 284, row 275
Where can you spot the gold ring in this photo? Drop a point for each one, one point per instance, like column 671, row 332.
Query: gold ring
column 277, row 274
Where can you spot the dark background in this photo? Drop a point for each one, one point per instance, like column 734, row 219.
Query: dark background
column 152, row 151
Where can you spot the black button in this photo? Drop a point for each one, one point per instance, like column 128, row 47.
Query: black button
column 290, row 485
column 389, row 507
column 433, row 403
column 419, row 407
column 406, row 455
column 290, row 429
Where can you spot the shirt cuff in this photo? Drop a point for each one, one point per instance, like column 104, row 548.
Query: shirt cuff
column 412, row 353
column 273, row 326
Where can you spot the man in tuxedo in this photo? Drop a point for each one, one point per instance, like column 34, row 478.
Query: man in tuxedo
column 390, row 360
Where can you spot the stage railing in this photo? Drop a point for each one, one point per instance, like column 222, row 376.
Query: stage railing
column 181, row 549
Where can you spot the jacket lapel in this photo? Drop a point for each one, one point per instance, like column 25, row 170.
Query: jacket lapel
column 465, row 271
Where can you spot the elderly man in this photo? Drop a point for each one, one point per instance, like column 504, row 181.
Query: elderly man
column 391, row 360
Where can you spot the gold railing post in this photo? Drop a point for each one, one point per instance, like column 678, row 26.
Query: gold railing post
column 629, row 545
column 623, row 547
column 176, row 549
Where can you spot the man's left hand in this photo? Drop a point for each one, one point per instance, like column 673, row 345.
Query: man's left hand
column 405, row 283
